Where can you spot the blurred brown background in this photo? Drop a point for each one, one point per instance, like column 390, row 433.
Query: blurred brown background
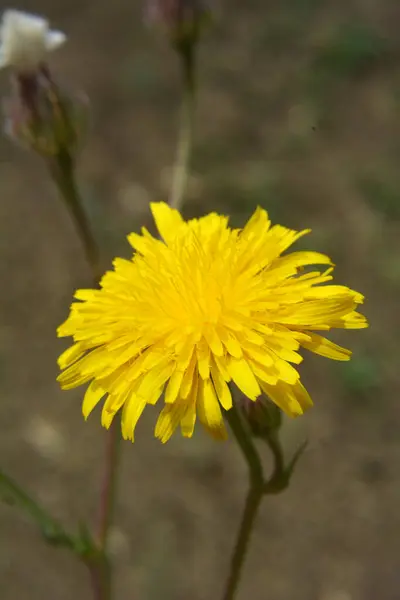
column 299, row 112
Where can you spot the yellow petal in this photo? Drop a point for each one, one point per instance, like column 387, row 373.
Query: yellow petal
column 324, row 347
column 85, row 295
column 153, row 381
column 203, row 358
column 260, row 355
column 167, row 219
column 317, row 313
column 353, row 320
column 286, row 372
column 189, row 377
column 222, row 362
column 258, row 222
column 92, row 397
column 230, row 342
column 143, row 245
column 286, row 354
column 267, row 374
column 302, row 259
column 188, row 421
column 70, row 379
column 244, row 377
column 110, row 408
column 302, row 396
column 283, row 398
column 221, row 387
column 169, row 419
column 71, row 355
column 213, row 340
column 173, row 387
column 133, row 408
column 294, row 400
column 209, row 410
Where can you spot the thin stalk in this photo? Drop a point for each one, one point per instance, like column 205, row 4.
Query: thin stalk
column 108, row 490
column 181, row 169
column 253, row 500
column 246, row 445
column 62, row 171
column 246, row 528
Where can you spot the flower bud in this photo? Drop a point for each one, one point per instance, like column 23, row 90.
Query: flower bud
column 41, row 117
column 183, row 20
column 262, row 416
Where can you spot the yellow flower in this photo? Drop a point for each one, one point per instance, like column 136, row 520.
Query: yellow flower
column 205, row 306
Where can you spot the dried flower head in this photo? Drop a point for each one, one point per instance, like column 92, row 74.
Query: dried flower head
column 205, row 306
column 25, row 40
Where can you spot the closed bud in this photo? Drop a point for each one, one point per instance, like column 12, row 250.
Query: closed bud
column 263, row 416
column 42, row 117
column 183, row 20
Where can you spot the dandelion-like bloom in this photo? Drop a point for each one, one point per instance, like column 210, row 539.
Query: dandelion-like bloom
column 205, row 306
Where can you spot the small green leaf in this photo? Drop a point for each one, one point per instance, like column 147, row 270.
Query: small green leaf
column 291, row 466
column 282, row 476
column 50, row 528
column 86, row 545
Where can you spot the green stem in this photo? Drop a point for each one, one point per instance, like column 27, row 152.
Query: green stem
column 99, row 564
column 276, row 481
column 253, row 500
column 258, row 488
column 181, row 169
column 62, row 170
column 246, row 445
column 109, row 489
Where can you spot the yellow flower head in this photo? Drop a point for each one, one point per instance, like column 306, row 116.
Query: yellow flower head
column 205, row 306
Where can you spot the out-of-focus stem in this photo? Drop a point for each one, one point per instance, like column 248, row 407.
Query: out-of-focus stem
column 108, row 491
column 62, row 171
column 181, row 169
